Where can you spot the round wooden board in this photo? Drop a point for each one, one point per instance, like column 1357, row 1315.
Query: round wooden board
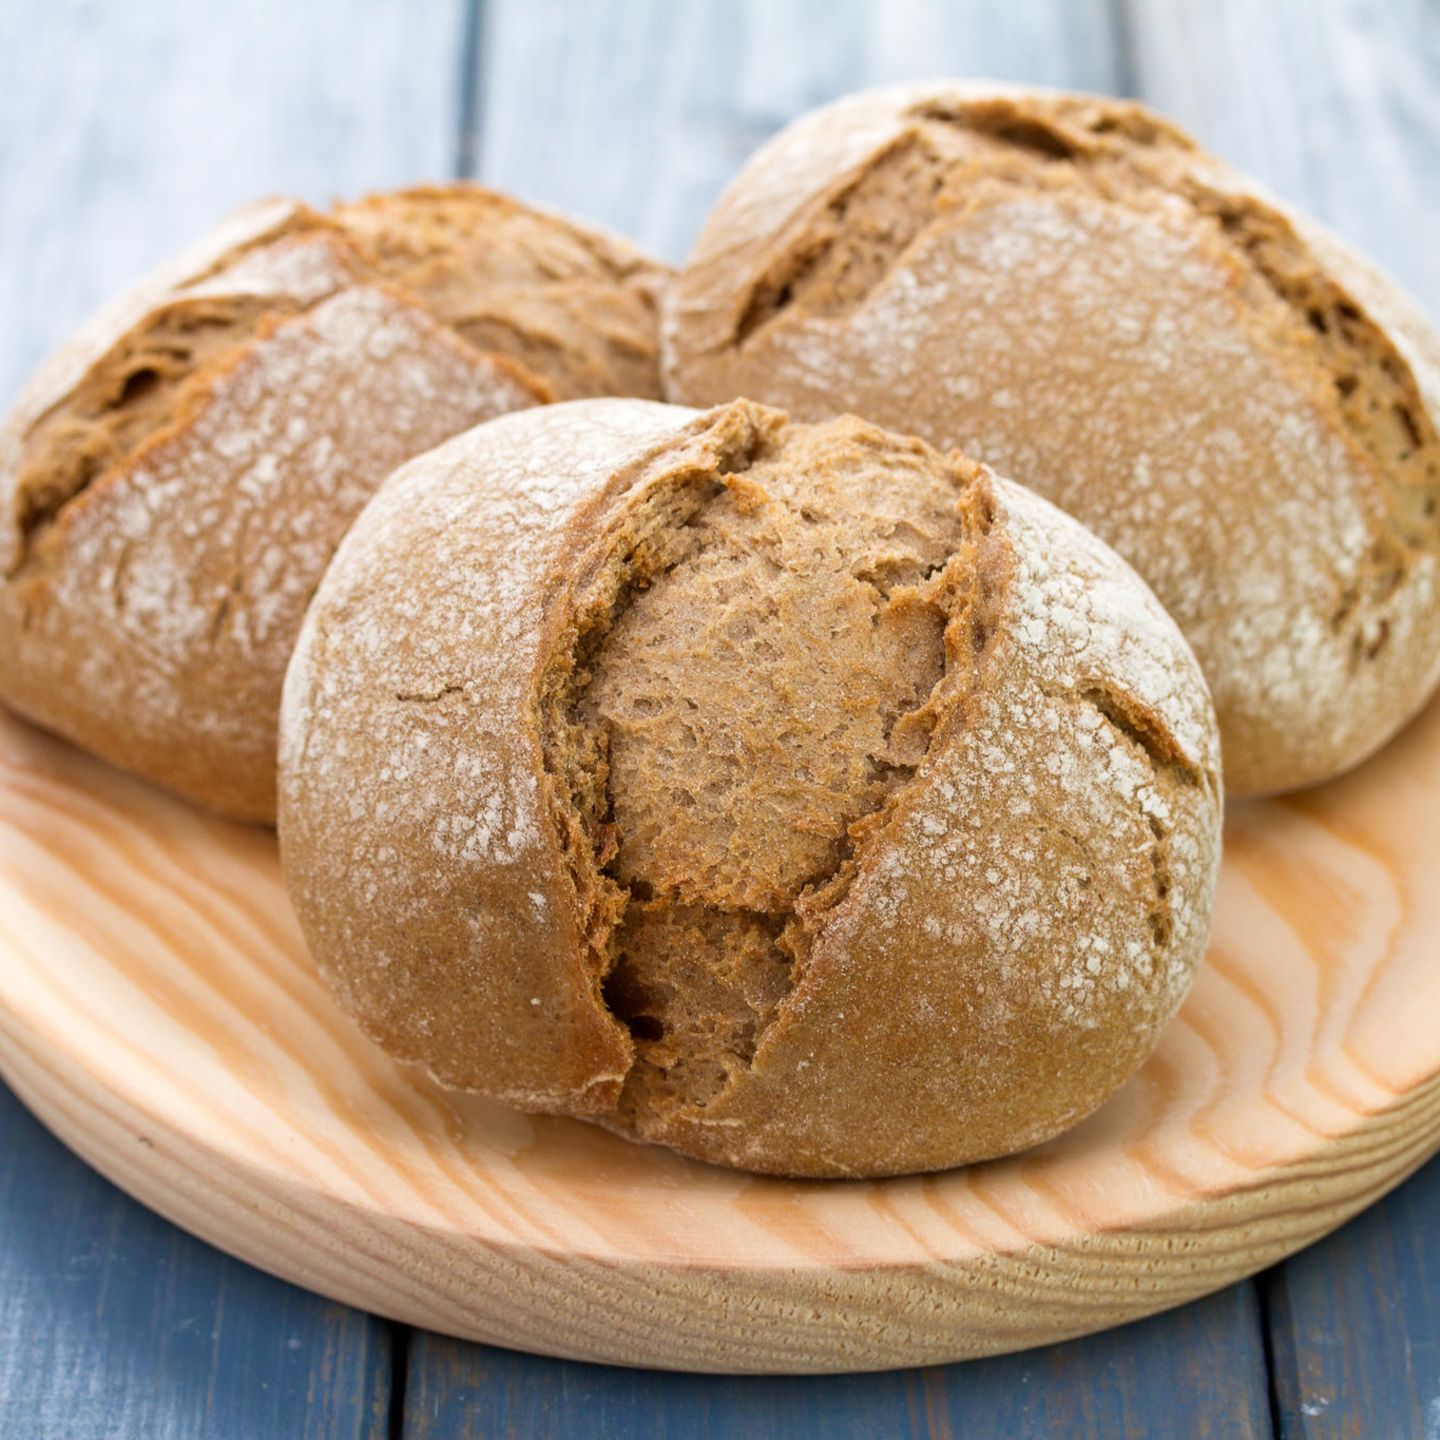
column 159, row 1012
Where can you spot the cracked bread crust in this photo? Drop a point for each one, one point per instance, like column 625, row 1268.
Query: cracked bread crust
column 794, row 796
column 574, row 305
column 174, row 481
column 158, row 571
column 1069, row 289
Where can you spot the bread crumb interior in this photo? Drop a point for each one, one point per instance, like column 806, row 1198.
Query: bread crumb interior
column 758, row 667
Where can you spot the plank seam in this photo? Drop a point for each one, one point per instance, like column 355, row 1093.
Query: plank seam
column 1262, row 1284
column 400, row 1336
column 472, row 56
column 1126, row 68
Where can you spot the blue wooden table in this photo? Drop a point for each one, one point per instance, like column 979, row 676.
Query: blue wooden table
column 127, row 128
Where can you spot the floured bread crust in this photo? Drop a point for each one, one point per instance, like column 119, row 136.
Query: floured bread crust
column 577, row 307
column 173, row 482
column 791, row 795
column 1069, row 289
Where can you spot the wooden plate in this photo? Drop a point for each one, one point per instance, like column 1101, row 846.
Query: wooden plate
column 158, row 1011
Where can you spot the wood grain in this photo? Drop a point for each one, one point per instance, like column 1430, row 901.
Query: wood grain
column 1140, row 1382
column 158, row 1011
column 114, row 1324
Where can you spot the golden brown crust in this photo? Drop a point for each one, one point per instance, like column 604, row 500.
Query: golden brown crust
column 1070, row 289
column 577, row 306
column 463, row 940
column 152, row 617
column 145, row 380
column 983, row 875
column 173, row 481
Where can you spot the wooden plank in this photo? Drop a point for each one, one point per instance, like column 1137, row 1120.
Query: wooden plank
column 1334, row 104
column 1197, row 1372
column 113, row 1323
column 127, row 130
column 635, row 116
column 1355, row 1323
column 124, row 132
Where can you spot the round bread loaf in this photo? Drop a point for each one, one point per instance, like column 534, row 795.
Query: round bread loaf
column 794, row 796
column 174, row 481
column 1067, row 288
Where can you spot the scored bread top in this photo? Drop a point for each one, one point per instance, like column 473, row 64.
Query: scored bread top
column 172, row 482
column 67, row 368
column 795, row 796
column 168, row 597
column 444, row 590
column 573, row 304
column 1067, row 287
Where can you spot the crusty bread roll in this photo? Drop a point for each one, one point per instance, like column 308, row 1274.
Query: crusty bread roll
column 1070, row 290
column 794, row 796
column 174, row 480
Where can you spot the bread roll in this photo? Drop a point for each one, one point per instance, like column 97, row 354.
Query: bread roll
column 794, row 796
column 1070, row 290
column 174, row 481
